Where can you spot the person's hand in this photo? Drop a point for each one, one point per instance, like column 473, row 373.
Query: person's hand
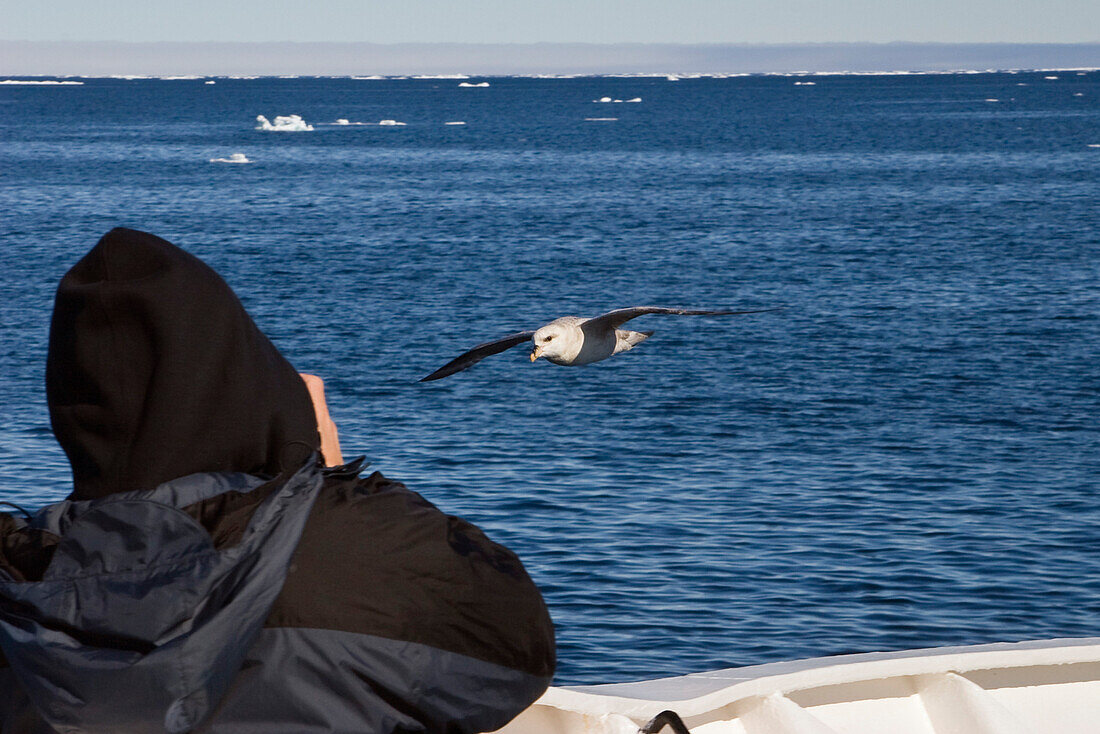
column 330, row 442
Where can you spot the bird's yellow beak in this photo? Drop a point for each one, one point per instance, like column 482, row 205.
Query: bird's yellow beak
column 536, row 353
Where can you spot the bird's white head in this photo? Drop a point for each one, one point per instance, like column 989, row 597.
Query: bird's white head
column 551, row 341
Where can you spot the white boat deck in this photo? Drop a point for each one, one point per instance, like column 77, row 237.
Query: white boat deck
column 1041, row 687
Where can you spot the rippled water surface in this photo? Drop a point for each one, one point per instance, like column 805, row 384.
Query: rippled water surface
column 906, row 456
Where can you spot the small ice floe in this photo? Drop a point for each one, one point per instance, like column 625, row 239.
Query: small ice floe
column 283, row 123
column 1094, row 145
column 234, row 158
column 635, row 99
column 470, row 84
column 991, row 99
column 210, row 82
column 343, row 121
column 600, row 119
column 1078, row 94
column 603, row 99
column 1050, row 77
column 456, row 122
column 805, row 84
column 390, row 123
column 41, row 82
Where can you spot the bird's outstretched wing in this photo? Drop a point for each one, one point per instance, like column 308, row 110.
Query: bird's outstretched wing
column 478, row 353
column 618, row 317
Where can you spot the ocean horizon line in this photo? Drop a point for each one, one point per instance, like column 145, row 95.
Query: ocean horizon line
column 44, row 79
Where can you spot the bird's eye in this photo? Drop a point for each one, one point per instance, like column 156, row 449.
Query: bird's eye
column 548, row 338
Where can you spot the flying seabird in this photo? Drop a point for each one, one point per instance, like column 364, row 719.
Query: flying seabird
column 572, row 340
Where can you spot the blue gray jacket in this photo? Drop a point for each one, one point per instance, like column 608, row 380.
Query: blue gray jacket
column 337, row 605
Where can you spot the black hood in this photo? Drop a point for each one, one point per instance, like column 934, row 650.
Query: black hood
column 155, row 371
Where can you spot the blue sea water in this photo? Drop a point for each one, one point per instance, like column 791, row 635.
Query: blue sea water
column 906, row 456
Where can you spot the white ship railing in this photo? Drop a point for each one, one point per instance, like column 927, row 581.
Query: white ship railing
column 1041, row 687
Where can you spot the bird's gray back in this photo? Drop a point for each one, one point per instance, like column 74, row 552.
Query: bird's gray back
column 599, row 342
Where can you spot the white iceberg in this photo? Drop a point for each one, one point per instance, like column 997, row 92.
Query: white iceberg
column 389, row 123
column 284, row 123
column 456, row 122
column 234, row 158
column 1050, row 77
column 468, row 84
column 635, row 99
column 343, row 121
column 210, row 82
column 603, row 99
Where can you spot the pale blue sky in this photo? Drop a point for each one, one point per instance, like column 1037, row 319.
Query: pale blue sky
column 526, row 21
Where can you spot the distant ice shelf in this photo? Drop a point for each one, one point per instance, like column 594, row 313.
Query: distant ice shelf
column 41, row 83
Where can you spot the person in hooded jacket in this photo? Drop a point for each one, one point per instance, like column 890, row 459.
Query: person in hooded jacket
column 210, row 572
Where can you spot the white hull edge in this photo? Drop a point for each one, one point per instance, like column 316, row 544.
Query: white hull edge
column 1039, row 687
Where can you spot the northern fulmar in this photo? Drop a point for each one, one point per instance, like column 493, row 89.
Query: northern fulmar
column 572, row 340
